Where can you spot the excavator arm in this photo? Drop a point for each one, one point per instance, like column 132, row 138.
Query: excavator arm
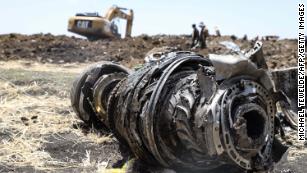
column 117, row 12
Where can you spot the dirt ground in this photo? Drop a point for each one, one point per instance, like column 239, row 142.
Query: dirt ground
column 38, row 129
column 130, row 51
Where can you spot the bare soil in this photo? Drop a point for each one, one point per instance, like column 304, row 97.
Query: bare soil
column 129, row 51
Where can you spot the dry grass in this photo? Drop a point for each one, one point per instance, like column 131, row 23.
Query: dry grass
column 34, row 104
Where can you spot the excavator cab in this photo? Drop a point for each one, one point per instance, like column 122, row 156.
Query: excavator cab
column 93, row 26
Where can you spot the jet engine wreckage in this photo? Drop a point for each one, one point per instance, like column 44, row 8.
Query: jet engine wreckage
column 186, row 110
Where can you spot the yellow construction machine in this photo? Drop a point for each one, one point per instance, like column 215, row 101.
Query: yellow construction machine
column 93, row 26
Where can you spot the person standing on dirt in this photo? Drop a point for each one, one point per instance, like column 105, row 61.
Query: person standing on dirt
column 245, row 37
column 217, row 31
column 195, row 36
column 204, row 33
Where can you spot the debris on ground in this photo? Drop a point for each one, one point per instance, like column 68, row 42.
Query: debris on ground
column 48, row 48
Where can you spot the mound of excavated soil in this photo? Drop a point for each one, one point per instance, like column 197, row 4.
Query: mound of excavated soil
column 129, row 51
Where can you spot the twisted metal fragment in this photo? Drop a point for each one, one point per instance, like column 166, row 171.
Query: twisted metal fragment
column 186, row 110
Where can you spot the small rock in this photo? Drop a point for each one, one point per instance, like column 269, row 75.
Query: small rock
column 13, row 35
column 145, row 37
column 27, row 63
column 39, row 58
column 34, row 117
column 24, row 119
column 156, row 42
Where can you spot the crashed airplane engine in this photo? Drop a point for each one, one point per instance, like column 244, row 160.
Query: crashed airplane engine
column 186, row 110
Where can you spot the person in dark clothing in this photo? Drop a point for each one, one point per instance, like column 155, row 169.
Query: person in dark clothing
column 245, row 38
column 195, row 36
column 217, row 32
column 204, row 33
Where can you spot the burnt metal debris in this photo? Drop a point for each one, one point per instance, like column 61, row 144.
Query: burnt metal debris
column 186, row 110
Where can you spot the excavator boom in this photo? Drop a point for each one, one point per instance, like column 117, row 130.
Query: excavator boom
column 117, row 12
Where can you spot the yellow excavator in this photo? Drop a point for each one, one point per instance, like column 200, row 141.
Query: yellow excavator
column 93, row 26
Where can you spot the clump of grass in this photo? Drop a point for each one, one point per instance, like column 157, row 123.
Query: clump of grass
column 31, row 112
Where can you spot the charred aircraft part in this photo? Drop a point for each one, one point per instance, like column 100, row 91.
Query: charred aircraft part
column 82, row 93
column 186, row 110
column 285, row 81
